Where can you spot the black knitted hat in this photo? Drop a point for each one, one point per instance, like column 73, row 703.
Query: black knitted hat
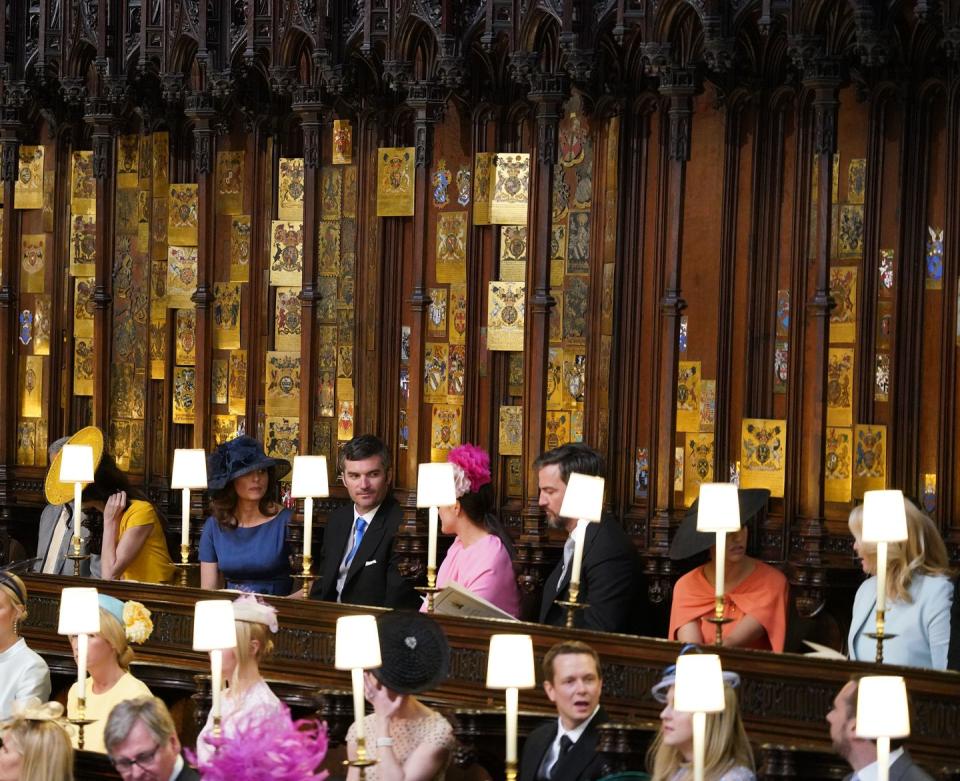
column 414, row 650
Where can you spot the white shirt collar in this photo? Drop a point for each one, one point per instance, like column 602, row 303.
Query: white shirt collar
column 574, row 734
column 368, row 516
column 177, row 768
column 870, row 772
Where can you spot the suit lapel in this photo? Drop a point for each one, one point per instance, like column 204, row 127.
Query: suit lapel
column 592, row 531
column 582, row 752
column 540, row 742
column 334, row 546
column 549, row 592
column 370, row 542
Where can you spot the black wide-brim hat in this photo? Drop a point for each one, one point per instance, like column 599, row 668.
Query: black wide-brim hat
column 239, row 457
column 414, row 651
column 689, row 542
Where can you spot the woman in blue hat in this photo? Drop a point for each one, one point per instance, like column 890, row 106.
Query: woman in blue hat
column 243, row 545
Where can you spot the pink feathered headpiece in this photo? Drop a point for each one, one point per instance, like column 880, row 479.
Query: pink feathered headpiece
column 471, row 468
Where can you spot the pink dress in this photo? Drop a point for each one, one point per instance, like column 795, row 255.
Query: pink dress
column 486, row 569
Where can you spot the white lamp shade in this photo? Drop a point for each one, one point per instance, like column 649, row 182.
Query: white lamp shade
column 583, row 498
column 213, row 625
column 79, row 612
column 189, row 468
column 884, row 516
column 310, row 477
column 719, row 508
column 699, row 684
column 510, row 662
column 435, row 485
column 882, row 710
column 76, row 464
column 358, row 643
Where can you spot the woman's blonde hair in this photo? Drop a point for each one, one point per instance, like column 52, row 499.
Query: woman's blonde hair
column 113, row 632
column 248, row 631
column 726, row 745
column 923, row 552
column 45, row 746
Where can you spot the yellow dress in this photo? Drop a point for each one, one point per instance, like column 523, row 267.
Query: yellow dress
column 152, row 564
column 99, row 707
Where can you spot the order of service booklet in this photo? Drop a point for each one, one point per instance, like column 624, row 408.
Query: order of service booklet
column 455, row 600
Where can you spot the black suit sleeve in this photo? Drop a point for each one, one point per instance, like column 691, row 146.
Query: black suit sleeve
column 611, row 573
column 400, row 591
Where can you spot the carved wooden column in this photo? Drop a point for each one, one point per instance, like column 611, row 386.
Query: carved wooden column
column 200, row 109
column 547, row 93
column 806, row 425
column 9, row 277
column 678, row 85
column 306, row 103
column 428, row 101
column 99, row 113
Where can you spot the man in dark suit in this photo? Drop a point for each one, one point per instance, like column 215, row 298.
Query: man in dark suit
column 861, row 753
column 608, row 578
column 142, row 742
column 566, row 750
column 358, row 565
column 953, row 652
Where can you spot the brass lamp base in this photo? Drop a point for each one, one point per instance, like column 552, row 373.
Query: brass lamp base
column 880, row 635
column 511, row 770
column 76, row 558
column 718, row 619
column 430, row 591
column 80, row 723
column 185, row 567
column 571, row 606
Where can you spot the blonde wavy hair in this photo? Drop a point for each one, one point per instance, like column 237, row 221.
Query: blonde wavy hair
column 45, row 747
column 922, row 553
column 726, row 745
column 113, row 632
column 248, row 631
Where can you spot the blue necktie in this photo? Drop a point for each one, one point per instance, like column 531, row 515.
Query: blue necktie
column 357, row 537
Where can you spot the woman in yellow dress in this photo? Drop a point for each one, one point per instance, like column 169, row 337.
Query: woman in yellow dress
column 108, row 662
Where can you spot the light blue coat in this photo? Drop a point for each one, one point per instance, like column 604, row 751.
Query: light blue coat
column 922, row 627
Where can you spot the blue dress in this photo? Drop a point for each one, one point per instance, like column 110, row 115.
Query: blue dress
column 254, row 558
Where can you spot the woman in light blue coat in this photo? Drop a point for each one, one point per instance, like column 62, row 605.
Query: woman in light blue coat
column 919, row 595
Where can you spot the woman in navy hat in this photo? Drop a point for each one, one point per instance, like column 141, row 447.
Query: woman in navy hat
column 243, row 544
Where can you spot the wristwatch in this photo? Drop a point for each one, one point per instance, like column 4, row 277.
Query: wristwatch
column 384, row 742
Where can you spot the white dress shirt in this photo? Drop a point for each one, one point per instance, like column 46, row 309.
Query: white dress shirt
column 344, row 564
column 553, row 754
column 871, row 771
column 177, row 768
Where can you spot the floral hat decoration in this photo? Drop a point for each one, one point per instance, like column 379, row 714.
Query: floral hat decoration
column 133, row 617
column 34, row 709
column 248, row 608
column 471, row 468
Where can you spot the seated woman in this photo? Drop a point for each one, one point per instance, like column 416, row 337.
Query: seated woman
column 480, row 557
column 134, row 546
column 755, row 594
column 23, row 673
column 248, row 697
column 34, row 744
column 919, row 595
column 244, row 541
column 409, row 741
column 727, row 755
column 108, row 662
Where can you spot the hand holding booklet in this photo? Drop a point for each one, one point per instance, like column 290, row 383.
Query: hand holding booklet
column 455, row 600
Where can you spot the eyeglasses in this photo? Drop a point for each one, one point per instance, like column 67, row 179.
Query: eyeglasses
column 124, row 765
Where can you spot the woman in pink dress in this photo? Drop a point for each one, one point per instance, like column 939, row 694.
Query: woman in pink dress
column 480, row 558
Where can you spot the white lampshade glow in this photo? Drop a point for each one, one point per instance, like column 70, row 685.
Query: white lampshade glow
column 213, row 625
column 583, row 497
column 189, row 468
column 884, row 516
column 718, row 509
column 699, row 684
column 309, row 477
column 358, row 643
column 76, row 464
column 510, row 662
column 882, row 710
column 79, row 612
column 435, row 485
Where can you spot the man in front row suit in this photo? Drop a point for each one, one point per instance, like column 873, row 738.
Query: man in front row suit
column 608, row 577
column 861, row 753
column 142, row 742
column 359, row 565
column 566, row 750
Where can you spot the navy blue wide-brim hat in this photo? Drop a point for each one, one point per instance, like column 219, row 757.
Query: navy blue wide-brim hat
column 239, row 457
column 689, row 542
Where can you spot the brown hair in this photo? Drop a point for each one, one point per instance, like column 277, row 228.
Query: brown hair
column 923, row 552
column 223, row 503
column 570, row 458
column 568, row 647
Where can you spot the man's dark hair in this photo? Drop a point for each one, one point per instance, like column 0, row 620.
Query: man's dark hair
column 363, row 447
column 575, row 457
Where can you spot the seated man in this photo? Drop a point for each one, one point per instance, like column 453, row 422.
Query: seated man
column 358, row 564
column 608, row 577
column 142, row 742
column 861, row 753
column 567, row 750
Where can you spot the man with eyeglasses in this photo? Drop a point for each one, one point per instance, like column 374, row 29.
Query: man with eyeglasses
column 142, row 742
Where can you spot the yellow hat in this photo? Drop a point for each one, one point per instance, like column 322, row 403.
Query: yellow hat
column 61, row 493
